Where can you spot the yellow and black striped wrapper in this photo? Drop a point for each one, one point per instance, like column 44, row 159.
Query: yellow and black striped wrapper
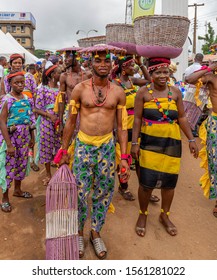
column 160, row 147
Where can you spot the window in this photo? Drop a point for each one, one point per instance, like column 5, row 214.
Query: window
column 22, row 27
column 18, row 40
column 0, row 27
column 13, row 28
column 8, row 28
column 23, row 40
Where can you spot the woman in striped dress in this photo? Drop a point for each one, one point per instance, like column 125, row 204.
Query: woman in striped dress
column 124, row 71
column 159, row 115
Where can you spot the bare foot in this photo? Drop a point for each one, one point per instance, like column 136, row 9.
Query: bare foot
column 168, row 225
column 141, row 225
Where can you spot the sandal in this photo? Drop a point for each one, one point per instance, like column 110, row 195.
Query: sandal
column 24, row 195
column 154, row 198
column 34, row 167
column 171, row 229
column 140, row 231
column 99, row 246
column 215, row 211
column 126, row 194
column 6, row 207
column 81, row 246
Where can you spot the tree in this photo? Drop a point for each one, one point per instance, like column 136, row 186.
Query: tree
column 210, row 38
column 39, row 53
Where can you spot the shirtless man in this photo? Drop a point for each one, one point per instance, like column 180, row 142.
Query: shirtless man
column 208, row 78
column 68, row 80
column 99, row 102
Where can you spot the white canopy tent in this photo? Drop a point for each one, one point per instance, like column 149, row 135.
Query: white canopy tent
column 6, row 47
column 29, row 57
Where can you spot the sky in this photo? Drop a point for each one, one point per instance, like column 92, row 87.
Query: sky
column 205, row 14
column 58, row 21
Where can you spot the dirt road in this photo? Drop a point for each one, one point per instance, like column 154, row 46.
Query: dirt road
column 22, row 232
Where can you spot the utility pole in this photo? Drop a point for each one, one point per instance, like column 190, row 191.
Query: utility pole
column 195, row 25
column 128, row 11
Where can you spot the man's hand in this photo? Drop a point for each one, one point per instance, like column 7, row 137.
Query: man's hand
column 124, row 171
column 64, row 160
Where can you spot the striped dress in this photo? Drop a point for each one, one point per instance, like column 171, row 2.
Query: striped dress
column 130, row 101
column 160, row 147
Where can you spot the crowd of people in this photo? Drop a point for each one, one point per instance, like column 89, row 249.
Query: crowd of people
column 119, row 112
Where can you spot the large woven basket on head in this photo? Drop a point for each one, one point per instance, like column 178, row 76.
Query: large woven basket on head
column 122, row 36
column 169, row 32
column 91, row 41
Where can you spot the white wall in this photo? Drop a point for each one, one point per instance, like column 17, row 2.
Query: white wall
column 179, row 8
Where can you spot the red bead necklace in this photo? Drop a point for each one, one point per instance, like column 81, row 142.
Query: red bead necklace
column 99, row 104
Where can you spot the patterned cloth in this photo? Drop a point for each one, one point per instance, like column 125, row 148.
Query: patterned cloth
column 48, row 139
column 94, row 167
column 211, row 144
column 30, row 85
column 15, row 167
column 160, row 147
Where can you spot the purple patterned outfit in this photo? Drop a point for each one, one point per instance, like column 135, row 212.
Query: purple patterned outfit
column 20, row 115
column 30, row 85
column 48, row 139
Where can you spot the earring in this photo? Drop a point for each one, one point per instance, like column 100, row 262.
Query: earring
column 152, row 80
column 123, row 73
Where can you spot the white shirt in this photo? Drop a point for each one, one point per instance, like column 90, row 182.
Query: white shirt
column 1, row 71
column 191, row 69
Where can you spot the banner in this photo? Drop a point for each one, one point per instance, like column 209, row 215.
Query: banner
column 143, row 7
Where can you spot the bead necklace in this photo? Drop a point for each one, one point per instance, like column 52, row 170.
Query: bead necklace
column 124, row 86
column 100, row 102
column 165, row 114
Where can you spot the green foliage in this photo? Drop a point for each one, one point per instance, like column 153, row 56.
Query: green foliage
column 210, row 38
column 39, row 53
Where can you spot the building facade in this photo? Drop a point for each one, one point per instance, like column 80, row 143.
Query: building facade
column 21, row 26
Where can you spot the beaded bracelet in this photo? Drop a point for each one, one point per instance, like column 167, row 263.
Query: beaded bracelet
column 191, row 140
column 134, row 143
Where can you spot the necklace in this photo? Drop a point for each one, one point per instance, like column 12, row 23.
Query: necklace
column 132, row 88
column 99, row 97
column 165, row 113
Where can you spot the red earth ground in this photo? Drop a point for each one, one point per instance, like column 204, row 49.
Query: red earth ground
column 22, row 232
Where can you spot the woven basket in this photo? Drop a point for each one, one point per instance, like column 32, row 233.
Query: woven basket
column 91, row 41
column 120, row 32
column 122, row 36
column 161, row 30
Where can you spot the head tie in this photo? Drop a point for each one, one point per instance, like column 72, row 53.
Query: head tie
column 16, row 56
column 49, row 70
column 10, row 76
